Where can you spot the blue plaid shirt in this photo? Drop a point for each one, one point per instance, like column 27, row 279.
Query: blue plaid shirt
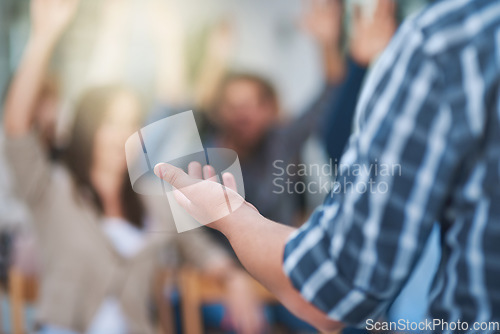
column 427, row 149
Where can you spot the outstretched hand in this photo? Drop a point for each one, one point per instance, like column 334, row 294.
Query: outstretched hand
column 258, row 242
column 49, row 18
column 372, row 34
column 200, row 194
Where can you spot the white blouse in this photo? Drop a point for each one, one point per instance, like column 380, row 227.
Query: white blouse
column 128, row 241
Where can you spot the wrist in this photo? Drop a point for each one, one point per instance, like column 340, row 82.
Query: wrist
column 334, row 66
column 215, row 61
column 331, row 49
column 354, row 66
column 227, row 225
column 234, row 275
column 43, row 42
column 359, row 57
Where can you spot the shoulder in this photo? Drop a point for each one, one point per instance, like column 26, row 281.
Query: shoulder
column 454, row 37
column 448, row 26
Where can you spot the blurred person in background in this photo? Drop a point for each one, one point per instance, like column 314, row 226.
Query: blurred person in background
column 244, row 112
column 246, row 116
column 241, row 111
column 242, row 311
column 14, row 216
column 246, row 109
column 23, row 255
column 97, row 257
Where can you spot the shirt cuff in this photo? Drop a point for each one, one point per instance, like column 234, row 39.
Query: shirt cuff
column 318, row 277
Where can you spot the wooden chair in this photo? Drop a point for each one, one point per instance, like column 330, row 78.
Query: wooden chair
column 197, row 289
column 22, row 289
column 164, row 281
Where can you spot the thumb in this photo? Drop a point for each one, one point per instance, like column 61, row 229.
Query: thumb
column 173, row 175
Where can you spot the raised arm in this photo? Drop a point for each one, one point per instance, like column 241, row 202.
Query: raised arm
column 372, row 34
column 49, row 18
column 29, row 163
column 323, row 21
column 369, row 39
column 168, row 35
column 108, row 61
column 214, row 64
column 339, row 116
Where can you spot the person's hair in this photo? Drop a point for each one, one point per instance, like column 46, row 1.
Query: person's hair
column 90, row 113
column 266, row 89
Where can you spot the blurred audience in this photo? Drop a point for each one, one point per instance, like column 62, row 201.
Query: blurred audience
column 244, row 113
column 97, row 257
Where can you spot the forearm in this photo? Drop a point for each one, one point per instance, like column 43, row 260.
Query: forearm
column 23, row 92
column 337, row 124
column 211, row 75
column 214, row 64
column 295, row 133
column 171, row 83
column 333, row 63
column 259, row 244
column 107, row 63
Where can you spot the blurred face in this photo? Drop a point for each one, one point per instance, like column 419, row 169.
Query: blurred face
column 244, row 113
column 121, row 120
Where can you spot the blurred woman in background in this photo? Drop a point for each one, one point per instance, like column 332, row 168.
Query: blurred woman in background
column 97, row 257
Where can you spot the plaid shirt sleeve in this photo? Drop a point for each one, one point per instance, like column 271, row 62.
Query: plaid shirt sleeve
column 357, row 250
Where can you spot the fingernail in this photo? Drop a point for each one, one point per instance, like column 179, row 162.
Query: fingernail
column 159, row 170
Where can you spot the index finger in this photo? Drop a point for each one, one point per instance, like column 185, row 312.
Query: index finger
column 173, row 175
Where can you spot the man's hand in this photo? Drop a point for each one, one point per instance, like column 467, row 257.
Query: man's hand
column 371, row 35
column 49, row 18
column 200, row 194
column 259, row 243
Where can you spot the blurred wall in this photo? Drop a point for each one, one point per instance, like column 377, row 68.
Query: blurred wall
column 268, row 41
